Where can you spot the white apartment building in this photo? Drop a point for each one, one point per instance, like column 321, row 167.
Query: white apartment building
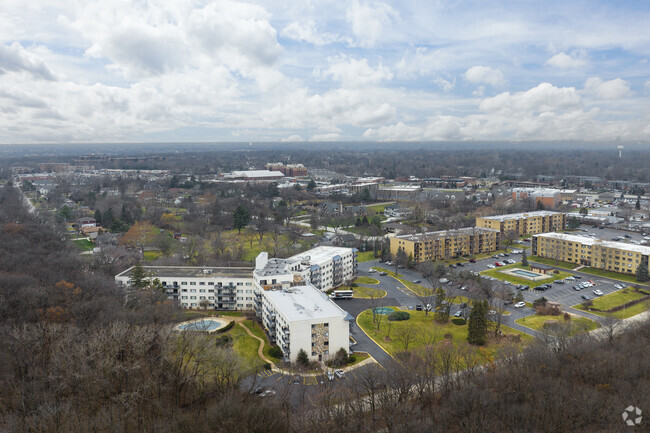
column 202, row 287
column 303, row 317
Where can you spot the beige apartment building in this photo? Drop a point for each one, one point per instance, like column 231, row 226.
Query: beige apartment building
column 524, row 224
column 446, row 244
column 611, row 256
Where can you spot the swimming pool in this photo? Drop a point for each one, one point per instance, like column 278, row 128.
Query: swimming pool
column 383, row 311
column 525, row 273
column 205, row 325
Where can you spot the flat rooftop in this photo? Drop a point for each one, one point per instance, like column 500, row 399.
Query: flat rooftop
column 590, row 241
column 257, row 173
column 513, row 216
column 417, row 237
column 274, row 267
column 304, row 303
column 192, row 272
column 321, row 254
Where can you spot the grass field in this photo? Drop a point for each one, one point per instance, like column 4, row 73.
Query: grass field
column 84, row 244
column 379, row 208
column 578, row 324
column 612, row 275
column 366, row 280
column 616, row 299
column 150, row 256
column 368, row 292
column 423, row 328
column 259, row 332
column 495, row 273
column 551, row 262
column 366, row 256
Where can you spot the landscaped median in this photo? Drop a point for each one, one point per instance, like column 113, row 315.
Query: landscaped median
column 611, row 275
column 499, row 275
column 538, row 322
column 365, row 280
column 420, row 331
column 620, row 305
column 551, row 262
column 367, row 292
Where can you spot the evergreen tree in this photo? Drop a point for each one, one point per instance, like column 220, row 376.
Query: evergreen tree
column 441, row 308
column 524, row 259
column 311, row 185
column 477, row 324
column 365, row 221
column 642, row 273
column 118, row 226
column 108, row 217
column 365, row 196
column 240, row 218
column 98, row 216
column 638, row 202
column 65, row 213
column 357, row 223
column 139, row 276
column 302, row 358
column 126, row 215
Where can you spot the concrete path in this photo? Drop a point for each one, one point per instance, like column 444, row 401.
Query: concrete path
column 260, row 350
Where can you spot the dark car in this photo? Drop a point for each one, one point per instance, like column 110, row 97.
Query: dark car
column 548, row 286
column 558, row 281
column 417, row 281
column 507, row 302
column 459, row 264
column 452, row 266
column 506, row 254
column 586, row 297
column 577, row 288
column 578, row 277
column 524, row 288
column 472, row 260
column 539, row 288
column 418, row 308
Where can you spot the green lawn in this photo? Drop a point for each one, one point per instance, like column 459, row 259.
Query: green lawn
column 601, row 304
column 368, row 292
column 379, row 208
column 578, row 324
column 389, row 272
column 496, row 273
column 365, row 280
column 365, row 256
column 150, row 256
column 257, row 330
column 612, row 275
column 84, row 244
column 423, row 328
column 245, row 346
column 551, row 262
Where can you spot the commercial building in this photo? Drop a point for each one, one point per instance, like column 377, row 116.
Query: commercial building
column 202, row 287
column 292, row 170
column 611, row 256
column 447, row 244
column 254, row 175
column 303, row 317
column 548, row 197
column 523, row 224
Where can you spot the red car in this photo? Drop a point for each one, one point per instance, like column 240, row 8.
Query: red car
column 472, row 260
column 497, row 264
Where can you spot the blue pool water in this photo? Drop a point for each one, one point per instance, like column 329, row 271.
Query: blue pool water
column 526, row 273
column 201, row 325
column 383, row 311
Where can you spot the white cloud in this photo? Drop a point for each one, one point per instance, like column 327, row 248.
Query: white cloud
column 332, row 136
column 15, row 58
column 485, row 75
column 612, row 89
column 306, row 31
column 370, row 21
column 565, row 61
column 353, row 72
column 542, row 98
column 292, row 138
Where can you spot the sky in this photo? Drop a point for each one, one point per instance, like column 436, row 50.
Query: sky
column 79, row 71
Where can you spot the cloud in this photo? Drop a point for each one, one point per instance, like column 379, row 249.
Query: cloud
column 565, row 61
column 612, row 89
column 370, row 21
column 305, row 31
column 485, row 75
column 332, row 136
column 542, row 98
column 292, row 138
column 15, row 58
column 352, row 72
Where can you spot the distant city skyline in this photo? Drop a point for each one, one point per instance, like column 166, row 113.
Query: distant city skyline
column 160, row 71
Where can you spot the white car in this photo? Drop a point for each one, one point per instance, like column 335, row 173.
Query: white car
column 339, row 373
column 618, row 286
column 520, row 304
column 598, row 292
column 491, row 266
column 444, row 280
column 330, row 375
column 372, row 271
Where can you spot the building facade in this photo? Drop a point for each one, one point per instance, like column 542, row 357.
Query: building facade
column 446, row 244
column 611, row 256
column 303, row 317
column 202, row 287
column 523, row 224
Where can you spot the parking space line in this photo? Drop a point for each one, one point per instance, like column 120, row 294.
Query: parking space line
column 310, row 380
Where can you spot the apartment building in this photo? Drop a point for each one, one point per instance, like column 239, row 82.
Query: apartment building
column 524, row 224
column 202, row 287
column 303, row 317
column 447, row 243
column 611, row 256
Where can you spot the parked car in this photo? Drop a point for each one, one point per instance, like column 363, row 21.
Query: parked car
column 498, row 264
column 618, row 286
column 520, row 304
column 330, row 375
column 463, row 287
column 452, row 266
column 459, row 264
column 417, row 281
column 585, row 297
column 418, row 308
column 558, row 281
column 472, row 260
column 577, row 277
column 598, row 292
column 491, row 266
column 383, row 273
column 577, row 288
column 339, row 373
column 372, row 271
column 458, row 313
column 444, row 280
column 524, row 287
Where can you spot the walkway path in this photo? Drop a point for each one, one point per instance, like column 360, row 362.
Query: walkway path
column 260, row 350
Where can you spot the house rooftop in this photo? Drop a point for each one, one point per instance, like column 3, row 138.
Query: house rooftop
column 516, row 216
column 192, row 272
column 304, row 303
column 591, row 241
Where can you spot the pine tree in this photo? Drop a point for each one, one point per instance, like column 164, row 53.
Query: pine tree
column 138, row 276
column 98, row 217
column 302, row 358
column 240, row 218
column 642, row 273
column 311, row 185
column 524, row 259
column 477, row 325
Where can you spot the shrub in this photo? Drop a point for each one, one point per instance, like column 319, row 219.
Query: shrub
column 223, row 341
column 449, row 337
column 275, row 352
column 397, row 316
column 352, row 359
column 302, row 359
column 340, row 358
column 226, row 328
column 458, row 321
column 354, row 285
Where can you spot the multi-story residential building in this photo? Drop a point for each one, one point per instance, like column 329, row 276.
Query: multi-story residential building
column 303, row 317
column 523, row 224
column 202, row 287
column 447, row 243
column 292, row 170
column 548, row 197
column 612, row 256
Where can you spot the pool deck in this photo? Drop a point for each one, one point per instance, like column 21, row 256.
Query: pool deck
column 514, row 273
